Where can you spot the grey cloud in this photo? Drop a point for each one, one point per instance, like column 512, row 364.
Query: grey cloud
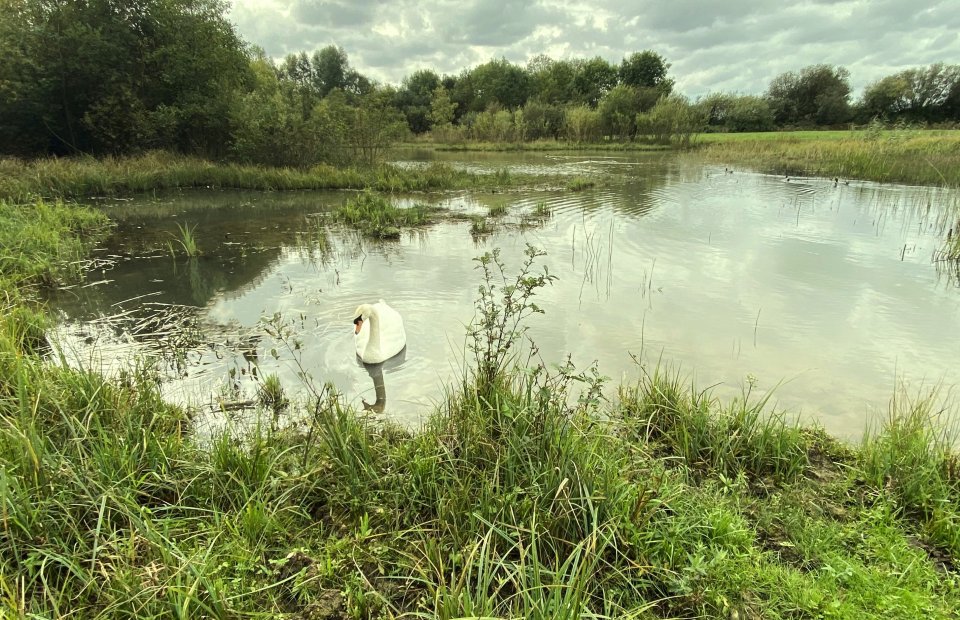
column 494, row 22
column 731, row 45
column 334, row 13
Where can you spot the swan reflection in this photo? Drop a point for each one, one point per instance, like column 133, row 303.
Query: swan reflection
column 379, row 387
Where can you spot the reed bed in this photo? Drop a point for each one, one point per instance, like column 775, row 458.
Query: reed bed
column 526, row 495
column 89, row 177
column 913, row 157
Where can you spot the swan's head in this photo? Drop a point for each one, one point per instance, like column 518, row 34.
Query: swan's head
column 362, row 313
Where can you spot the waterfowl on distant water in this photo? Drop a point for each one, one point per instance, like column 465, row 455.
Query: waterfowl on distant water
column 378, row 332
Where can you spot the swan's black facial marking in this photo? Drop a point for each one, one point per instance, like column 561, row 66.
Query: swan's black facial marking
column 359, row 319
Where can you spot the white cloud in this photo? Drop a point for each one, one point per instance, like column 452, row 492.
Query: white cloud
column 731, row 45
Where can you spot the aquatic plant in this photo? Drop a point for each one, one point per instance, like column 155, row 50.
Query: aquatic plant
column 376, row 216
column 480, row 226
column 187, row 240
column 497, row 210
column 579, row 184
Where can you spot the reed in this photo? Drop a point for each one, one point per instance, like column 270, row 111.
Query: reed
column 187, row 240
column 79, row 177
column 915, row 157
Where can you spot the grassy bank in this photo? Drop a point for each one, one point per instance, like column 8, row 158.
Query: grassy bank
column 912, row 157
column 86, row 177
column 527, row 495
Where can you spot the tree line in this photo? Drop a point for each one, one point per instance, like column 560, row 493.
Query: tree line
column 115, row 77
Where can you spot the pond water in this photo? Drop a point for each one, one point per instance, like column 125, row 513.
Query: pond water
column 823, row 291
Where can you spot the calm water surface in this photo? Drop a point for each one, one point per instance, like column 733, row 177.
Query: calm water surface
column 825, row 289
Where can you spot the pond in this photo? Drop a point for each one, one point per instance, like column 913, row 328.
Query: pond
column 824, row 292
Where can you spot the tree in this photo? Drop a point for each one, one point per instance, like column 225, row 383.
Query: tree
column 414, row 99
column 496, row 82
column 442, row 109
column 270, row 127
column 715, row 108
column 618, row 112
column 331, row 69
column 818, row 95
column 749, row 113
column 552, row 80
column 920, row 94
column 593, row 79
column 373, row 126
column 646, row 69
column 581, row 123
column 542, row 120
column 884, row 99
column 673, row 119
column 103, row 76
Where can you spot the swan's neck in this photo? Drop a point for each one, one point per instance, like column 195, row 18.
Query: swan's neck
column 373, row 343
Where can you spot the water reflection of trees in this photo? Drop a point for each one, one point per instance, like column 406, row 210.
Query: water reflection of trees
column 178, row 281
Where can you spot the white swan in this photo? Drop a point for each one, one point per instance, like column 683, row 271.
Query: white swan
column 378, row 332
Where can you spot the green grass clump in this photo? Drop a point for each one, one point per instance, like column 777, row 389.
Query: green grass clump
column 480, row 226
column 43, row 242
column 497, row 210
column 744, row 436
column 376, row 216
column 187, row 241
column 579, row 184
column 911, row 456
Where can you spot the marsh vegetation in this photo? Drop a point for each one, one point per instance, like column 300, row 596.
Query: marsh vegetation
column 663, row 502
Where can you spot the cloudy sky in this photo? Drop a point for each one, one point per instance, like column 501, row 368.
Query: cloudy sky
column 733, row 45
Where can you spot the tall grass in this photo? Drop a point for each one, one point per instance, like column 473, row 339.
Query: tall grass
column 42, row 241
column 911, row 456
column 88, row 177
column 745, row 436
column 921, row 158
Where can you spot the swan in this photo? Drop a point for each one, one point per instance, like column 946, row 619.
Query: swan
column 378, row 332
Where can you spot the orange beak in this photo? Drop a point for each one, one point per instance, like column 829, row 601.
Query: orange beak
column 359, row 324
